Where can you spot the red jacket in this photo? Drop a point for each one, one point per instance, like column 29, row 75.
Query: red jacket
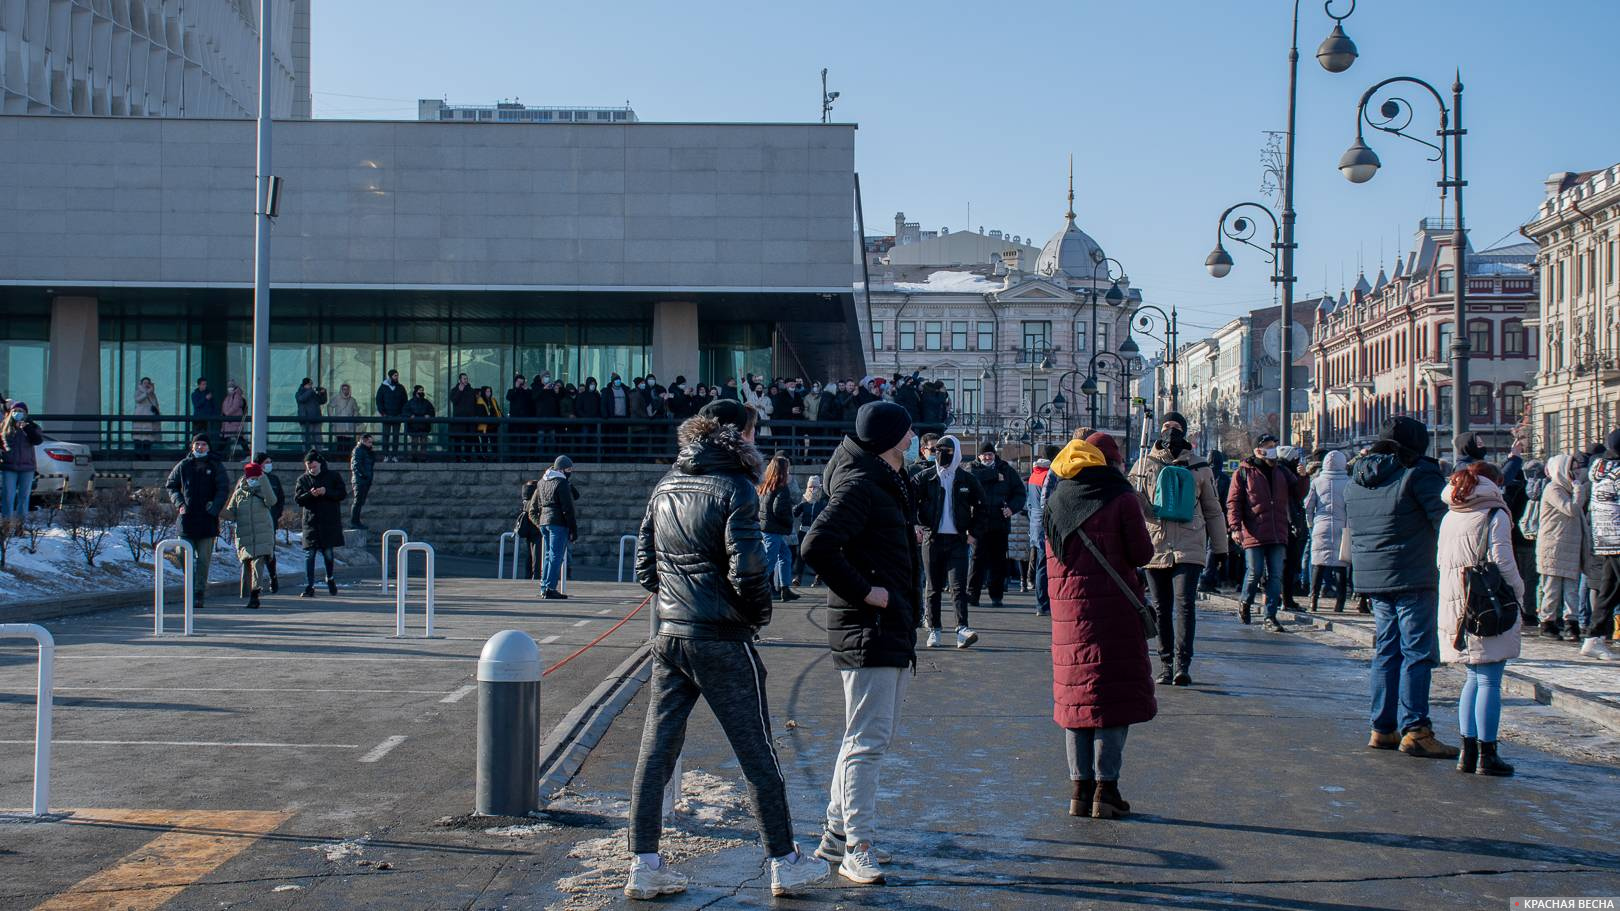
column 1100, row 671
column 1257, row 502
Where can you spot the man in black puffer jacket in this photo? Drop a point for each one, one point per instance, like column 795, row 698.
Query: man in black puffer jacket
column 864, row 544
column 702, row 555
column 950, row 509
column 1003, row 496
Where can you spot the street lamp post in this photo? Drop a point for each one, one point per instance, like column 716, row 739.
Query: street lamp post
column 1359, row 163
column 1127, row 354
column 1171, row 333
column 1219, row 263
column 1045, row 363
column 1115, row 297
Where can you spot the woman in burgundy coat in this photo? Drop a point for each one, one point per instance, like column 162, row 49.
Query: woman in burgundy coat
column 1101, row 679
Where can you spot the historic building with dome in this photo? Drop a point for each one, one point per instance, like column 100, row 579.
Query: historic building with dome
column 1006, row 335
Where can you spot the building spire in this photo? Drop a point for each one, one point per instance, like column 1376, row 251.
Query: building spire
column 1070, row 214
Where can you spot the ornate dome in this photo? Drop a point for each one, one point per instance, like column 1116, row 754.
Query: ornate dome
column 1071, row 253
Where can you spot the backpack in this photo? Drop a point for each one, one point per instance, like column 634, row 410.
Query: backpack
column 1175, row 494
column 1530, row 521
column 1492, row 607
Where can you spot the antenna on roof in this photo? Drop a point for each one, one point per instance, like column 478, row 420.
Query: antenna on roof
column 1070, row 214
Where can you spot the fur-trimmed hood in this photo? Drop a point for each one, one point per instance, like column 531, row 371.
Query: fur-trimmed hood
column 708, row 447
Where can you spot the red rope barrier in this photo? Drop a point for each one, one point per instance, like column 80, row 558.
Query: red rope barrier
column 611, row 630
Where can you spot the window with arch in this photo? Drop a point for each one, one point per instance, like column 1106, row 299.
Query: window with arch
column 1514, row 338
column 1479, row 401
column 1479, row 337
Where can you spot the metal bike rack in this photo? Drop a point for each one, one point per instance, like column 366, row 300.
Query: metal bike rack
column 44, row 700
column 382, row 554
column 622, row 539
column 402, row 580
column 188, row 569
column 500, row 558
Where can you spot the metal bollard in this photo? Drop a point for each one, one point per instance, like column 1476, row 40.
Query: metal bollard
column 382, row 555
column 622, row 539
column 402, row 571
column 500, row 557
column 508, row 725
column 44, row 700
column 188, row 560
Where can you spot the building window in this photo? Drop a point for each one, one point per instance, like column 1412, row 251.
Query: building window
column 1612, row 263
column 1479, row 337
column 1443, row 281
column 1552, row 430
column 1513, row 338
column 1080, row 336
column 1442, row 349
column 1034, row 395
column 1479, row 402
column 1102, row 337
column 908, row 335
column 1037, row 339
column 1559, row 283
column 1512, row 402
column 877, row 335
column 932, row 331
column 987, row 335
column 959, row 335
column 1442, row 402
column 1580, row 270
column 970, row 402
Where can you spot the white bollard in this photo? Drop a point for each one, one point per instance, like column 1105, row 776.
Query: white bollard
column 622, row 539
column 44, row 701
column 402, row 580
column 382, row 553
column 500, row 557
column 188, row 559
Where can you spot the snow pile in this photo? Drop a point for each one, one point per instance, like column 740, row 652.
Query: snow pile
column 337, row 851
column 947, row 280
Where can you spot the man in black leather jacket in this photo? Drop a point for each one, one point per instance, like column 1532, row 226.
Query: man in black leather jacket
column 1003, row 496
column 950, row 508
column 701, row 554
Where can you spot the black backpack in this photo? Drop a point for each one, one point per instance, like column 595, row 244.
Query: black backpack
column 1492, row 606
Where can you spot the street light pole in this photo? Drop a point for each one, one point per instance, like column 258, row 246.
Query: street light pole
column 260, row 406
column 1171, row 336
column 1115, row 297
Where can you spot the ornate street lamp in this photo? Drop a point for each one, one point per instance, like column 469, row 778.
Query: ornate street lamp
column 1171, row 334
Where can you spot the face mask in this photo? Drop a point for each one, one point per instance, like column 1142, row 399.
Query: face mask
column 641, row 385
column 267, row 467
column 618, row 382
column 199, row 453
column 253, row 482
column 19, row 415
column 1271, row 453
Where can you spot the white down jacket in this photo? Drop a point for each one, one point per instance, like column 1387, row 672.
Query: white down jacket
column 1461, row 532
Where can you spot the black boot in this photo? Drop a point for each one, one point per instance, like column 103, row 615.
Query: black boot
column 253, row 600
column 1490, row 763
column 789, row 594
column 1245, row 612
column 276, row 586
column 1316, row 597
column 1468, row 759
column 331, row 586
column 1166, row 677
column 1080, row 796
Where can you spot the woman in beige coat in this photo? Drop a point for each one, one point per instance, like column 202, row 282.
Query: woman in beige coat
column 1561, row 545
column 249, row 507
column 1477, row 529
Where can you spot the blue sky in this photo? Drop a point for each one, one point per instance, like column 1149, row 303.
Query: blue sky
column 1163, row 103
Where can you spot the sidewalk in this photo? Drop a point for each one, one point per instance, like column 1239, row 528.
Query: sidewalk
column 1551, row 673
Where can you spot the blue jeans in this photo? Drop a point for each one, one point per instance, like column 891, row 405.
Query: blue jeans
column 556, row 541
column 1406, row 647
column 15, row 486
column 1479, row 710
column 1265, row 559
column 779, row 560
column 1583, row 601
column 1095, row 753
column 1043, row 598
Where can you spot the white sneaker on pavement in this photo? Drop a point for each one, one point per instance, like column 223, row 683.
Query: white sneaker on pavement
column 860, row 865
column 646, row 882
column 933, row 638
column 965, row 636
column 1594, row 647
column 832, row 846
column 796, row 872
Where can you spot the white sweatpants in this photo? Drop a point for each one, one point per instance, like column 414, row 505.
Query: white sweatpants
column 872, row 697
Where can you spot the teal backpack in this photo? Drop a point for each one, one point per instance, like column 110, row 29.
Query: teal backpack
column 1175, row 495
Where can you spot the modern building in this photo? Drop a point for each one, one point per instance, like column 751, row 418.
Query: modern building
column 1004, row 333
column 515, row 112
column 150, row 58
column 1233, row 379
column 703, row 250
column 1383, row 349
column 1576, row 400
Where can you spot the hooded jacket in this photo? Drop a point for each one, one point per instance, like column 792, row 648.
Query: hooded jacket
column 1325, row 503
column 1461, row 533
column 1003, row 489
column 1394, row 512
column 323, row 520
column 553, row 502
column 700, row 548
column 1258, row 502
column 1035, row 498
column 249, row 508
column 966, row 496
column 201, row 487
column 863, row 540
column 1561, row 537
column 1179, row 542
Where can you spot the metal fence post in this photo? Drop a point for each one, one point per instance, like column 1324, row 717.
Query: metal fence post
column 382, row 555
column 500, row 556
column 622, row 539
column 188, row 560
column 44, row 702
column 508, row 725
column 402, row 584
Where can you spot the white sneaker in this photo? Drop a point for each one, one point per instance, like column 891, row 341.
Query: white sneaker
column 1594, row 647
column 860, row 865
column 645, row 882
column 789, row 876
column 832, row 847
column 965, row 636
column 933, row 638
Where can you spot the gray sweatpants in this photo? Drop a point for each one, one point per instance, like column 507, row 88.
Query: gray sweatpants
column 731, row 678
column 872, row 697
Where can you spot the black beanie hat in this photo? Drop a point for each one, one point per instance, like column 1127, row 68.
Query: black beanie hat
column 1469, row 444
column 1174, row 417
column 1613, row 441
column 987, row 446
column 202, row 438
column 314, row 455
column 1407, row 433
column 880, row 426
column 726, row 411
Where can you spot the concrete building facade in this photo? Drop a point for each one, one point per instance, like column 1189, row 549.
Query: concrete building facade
column 1577, row 382
column 516, row 112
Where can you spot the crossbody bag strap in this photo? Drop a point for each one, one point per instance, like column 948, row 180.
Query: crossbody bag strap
column 1109, row 568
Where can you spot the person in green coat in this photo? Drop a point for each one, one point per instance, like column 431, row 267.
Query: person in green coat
column 249, row 506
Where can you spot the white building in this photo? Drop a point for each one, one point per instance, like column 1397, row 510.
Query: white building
column 514, row 112
column 150, row 58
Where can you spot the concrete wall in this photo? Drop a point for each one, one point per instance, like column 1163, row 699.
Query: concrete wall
column 88, row 200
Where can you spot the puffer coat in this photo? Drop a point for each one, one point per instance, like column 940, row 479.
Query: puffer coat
column 323, row 520
column 1325, row 503
column 1257, row 502
column 1394, row 510
column 1461, row 533
column 1561, row 538
column 249, row 508
column 1180, row 542
column 1605, row 507
column 700, row 548
column 200, row 487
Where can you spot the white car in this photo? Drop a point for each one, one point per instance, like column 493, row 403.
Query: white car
column 61, row 467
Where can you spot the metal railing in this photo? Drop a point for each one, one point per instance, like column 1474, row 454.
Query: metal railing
column 44, row 703
column 402, row 583
column 382, row 554
column 188, row 557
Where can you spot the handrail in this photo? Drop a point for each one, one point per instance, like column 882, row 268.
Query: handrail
column 44, row 702
column 188, row 570
column 622, row 539
column 382, row 554
column 500, row 556
column 402, row 580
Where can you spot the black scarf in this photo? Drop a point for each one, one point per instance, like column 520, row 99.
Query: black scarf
column 1076, row 499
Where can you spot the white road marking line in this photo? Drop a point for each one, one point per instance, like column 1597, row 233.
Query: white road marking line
column 549, row 639
column 383, row 749
column 195, row 657
column 459, row 694
column 192, row 743
column 582, row 622
column 609, row 610
column 231, row 689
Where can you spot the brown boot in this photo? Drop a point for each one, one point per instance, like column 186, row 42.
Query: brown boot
column 1421, row 743
column 1080, row 795
column 1382, row 741
column 1108, row 803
